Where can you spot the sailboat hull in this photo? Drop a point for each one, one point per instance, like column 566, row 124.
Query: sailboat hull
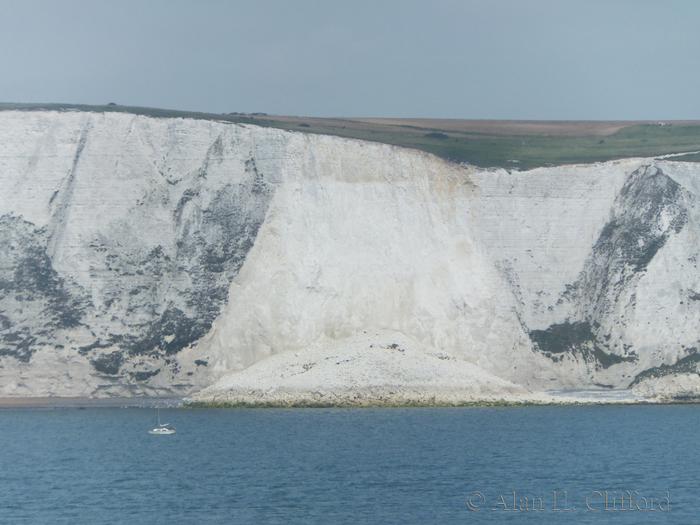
column 157, row 431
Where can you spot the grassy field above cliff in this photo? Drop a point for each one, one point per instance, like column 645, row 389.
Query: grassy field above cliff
column 484, row 143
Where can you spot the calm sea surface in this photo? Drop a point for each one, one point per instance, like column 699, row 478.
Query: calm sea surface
column 355, row 466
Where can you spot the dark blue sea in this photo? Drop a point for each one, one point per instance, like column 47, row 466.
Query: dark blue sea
column 357, row 466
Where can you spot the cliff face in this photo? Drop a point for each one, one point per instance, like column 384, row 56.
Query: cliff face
column 144, row 255
column 120, row 238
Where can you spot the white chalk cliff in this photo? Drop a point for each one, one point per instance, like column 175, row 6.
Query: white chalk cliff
column 164, row 256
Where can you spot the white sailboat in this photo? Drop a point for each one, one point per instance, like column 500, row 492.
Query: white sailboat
column 162, row 428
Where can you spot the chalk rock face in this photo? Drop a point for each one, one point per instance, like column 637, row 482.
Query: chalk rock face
column 603, row 260
column 159, row 256
column 119, row 239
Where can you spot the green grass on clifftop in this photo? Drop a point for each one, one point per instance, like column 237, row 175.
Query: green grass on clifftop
column 522, row 151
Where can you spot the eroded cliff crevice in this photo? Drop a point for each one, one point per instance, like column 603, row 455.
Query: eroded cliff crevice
column 124, row 267
column 649, row 208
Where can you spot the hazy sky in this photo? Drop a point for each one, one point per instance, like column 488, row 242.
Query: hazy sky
column 503, row 59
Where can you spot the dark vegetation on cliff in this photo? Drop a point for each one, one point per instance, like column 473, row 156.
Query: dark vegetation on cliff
column 40, row 300
column 685, row 365
column 482, row 145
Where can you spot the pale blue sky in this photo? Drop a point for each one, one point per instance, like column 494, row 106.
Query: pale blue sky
column 502, row 59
